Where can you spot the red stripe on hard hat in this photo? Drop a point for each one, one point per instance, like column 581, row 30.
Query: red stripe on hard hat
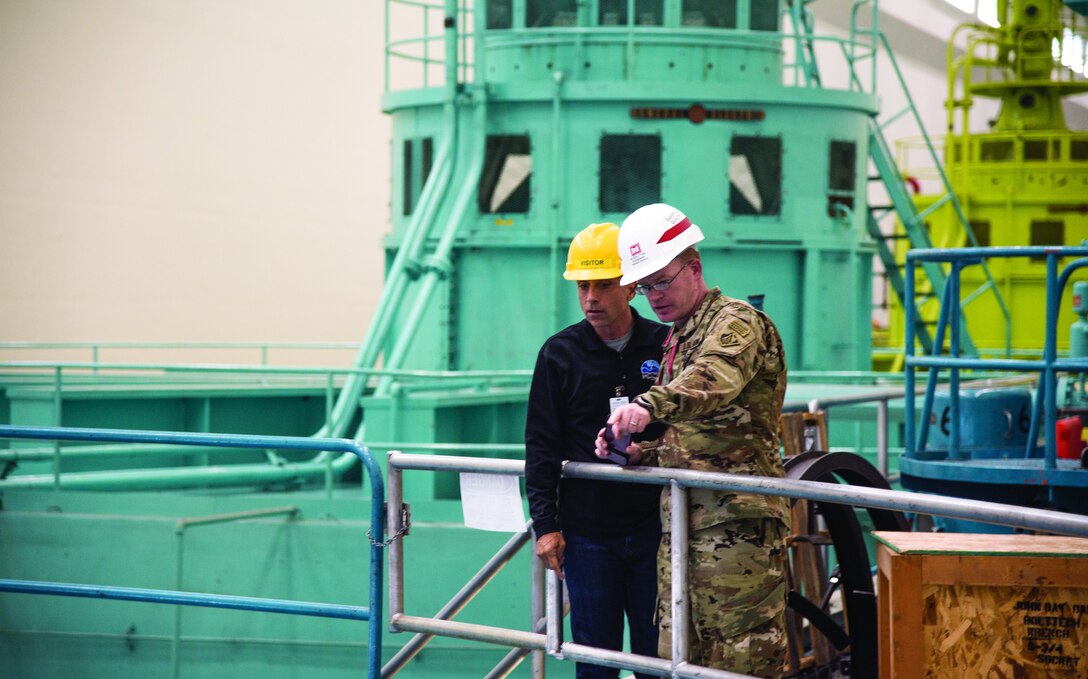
column 679, row 228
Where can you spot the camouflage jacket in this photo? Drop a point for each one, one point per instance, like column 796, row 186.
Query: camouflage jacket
column 720, row 390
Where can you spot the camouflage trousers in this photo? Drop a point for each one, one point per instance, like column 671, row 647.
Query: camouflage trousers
column 737, row 595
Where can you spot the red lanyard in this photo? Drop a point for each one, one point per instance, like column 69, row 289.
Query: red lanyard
column 671, row 357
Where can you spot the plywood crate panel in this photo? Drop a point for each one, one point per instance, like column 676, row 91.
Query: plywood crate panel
column 964, row 605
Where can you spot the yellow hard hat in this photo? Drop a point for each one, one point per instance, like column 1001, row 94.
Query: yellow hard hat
column 593, row 254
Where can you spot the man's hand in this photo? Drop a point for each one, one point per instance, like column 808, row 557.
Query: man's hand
column 550, row 548
column 629, row 419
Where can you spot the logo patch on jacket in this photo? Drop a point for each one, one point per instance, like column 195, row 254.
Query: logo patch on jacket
column 650, row 369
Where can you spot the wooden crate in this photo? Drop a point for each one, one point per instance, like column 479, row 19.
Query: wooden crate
column 803, row 432
column 966, row 605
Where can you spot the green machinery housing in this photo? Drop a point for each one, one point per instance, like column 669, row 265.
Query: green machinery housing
column 517, row 124
column 556, row 114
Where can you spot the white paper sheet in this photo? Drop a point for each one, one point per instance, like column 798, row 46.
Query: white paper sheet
column 492, row 502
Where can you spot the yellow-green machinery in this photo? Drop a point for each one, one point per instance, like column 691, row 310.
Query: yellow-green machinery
column 1019, row 185
column 1020, row 179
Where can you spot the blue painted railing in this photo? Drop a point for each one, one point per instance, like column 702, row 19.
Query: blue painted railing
column 950, row 320
column 371, row 613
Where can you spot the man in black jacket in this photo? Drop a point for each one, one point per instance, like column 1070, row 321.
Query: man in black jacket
column 603, row 536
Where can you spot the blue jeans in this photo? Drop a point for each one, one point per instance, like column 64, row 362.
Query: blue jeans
column 605, row 578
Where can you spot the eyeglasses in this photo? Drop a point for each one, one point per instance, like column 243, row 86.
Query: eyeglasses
column 660, row 286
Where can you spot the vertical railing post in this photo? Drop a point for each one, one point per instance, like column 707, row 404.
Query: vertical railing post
column 395, row 521
column 955, row 320
column 175, row 638
column 678, row 506
column 554, row 610
column 908, row 350
column 58, row 402
column 328, row 427
column 426, row 46
column 1050, row 354
column 378, row 517
column 538, row 576
column 330, row 395
column 386, row 50
column 882, row 436
column 934, row 372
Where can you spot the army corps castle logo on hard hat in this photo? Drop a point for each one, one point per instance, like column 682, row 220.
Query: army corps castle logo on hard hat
column 651, row 237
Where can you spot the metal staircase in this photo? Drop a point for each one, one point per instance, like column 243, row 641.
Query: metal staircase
column 865, row 43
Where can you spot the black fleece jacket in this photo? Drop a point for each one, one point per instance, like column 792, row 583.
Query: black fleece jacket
column 575, row 376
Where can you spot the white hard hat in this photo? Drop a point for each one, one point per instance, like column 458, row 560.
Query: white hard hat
column 651, row 237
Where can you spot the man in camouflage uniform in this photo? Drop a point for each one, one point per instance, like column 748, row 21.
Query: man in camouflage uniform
column 720, row 393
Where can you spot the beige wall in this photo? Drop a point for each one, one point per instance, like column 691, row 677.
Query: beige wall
column 191, row 170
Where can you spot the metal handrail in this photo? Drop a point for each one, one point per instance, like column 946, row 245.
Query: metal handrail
column 270, row 370
column 372, row 613
column 1047, row 367
column 398, row 48
column 97, row 347
column 483, row 379
column 459, row 600
column 680, row 480
column 408, row 380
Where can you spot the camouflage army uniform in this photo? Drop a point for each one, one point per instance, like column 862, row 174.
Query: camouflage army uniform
column 720, row 390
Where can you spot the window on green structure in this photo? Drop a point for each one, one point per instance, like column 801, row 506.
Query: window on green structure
column 981, row 229
column 841, row 176
column 755, row 176
column 709, row 13
column 1078, row 149
column 418, row 155
column 647, row 13
column 763, row 15
column 630, row 174
column 1047, row 232
column 500, row 14
column 540, row 13
column 504, row 182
